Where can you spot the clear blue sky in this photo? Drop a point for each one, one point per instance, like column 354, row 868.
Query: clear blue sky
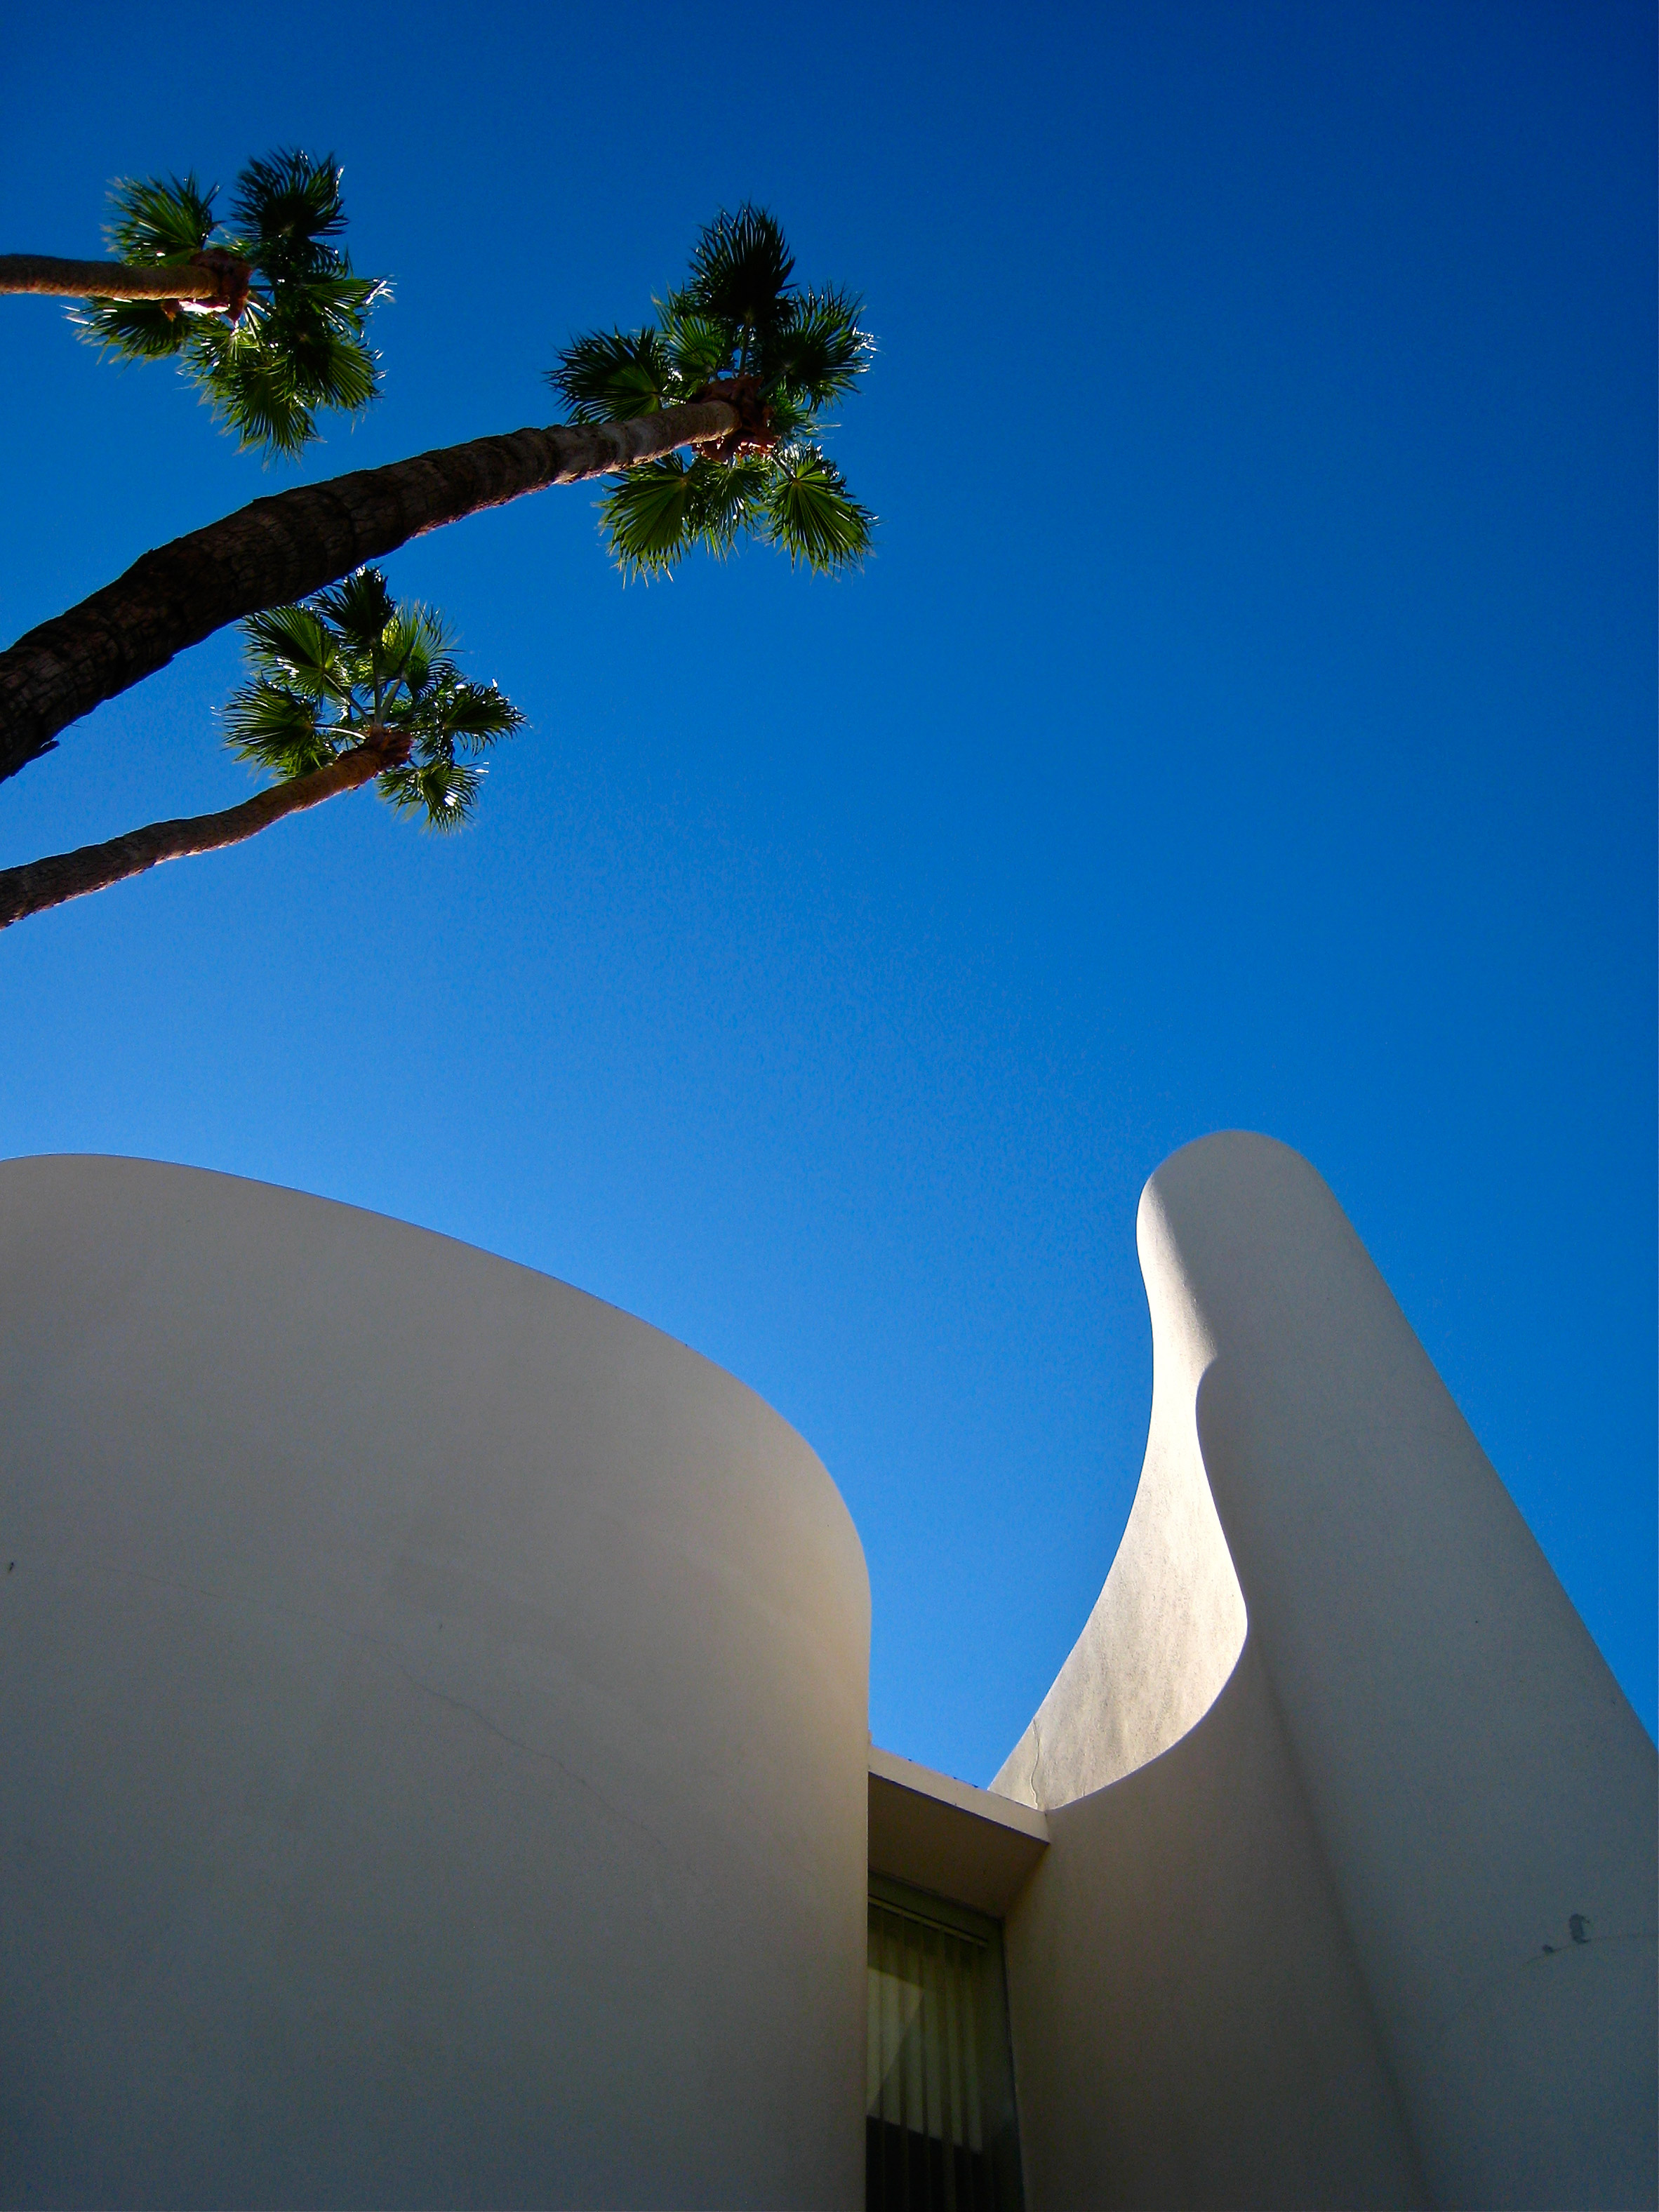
column 1247, row 719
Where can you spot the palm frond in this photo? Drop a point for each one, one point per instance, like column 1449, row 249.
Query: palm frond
column 791, row 420
column 658, row 513
column 412, row 652
column 445, row 791
column 646, row 516
column 159, row 218
column 285, row 210
column 359, row 609
column 294, row 646
column 473, row 716
column 133, row 329
column 811, row 514
column 301, row 343
column 740, row 270
column 325, row 366
column 279, row 729
column 701, row 348
column 249, row 385
column 818, row 351
column 332, row 305
column 610, row 376
column 152, row 219
column 740, row 314
column 265, row 376
column 726, row 497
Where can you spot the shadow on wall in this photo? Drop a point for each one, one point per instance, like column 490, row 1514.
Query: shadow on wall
column 1306, row 1931
column 434, row 1757
column 433, row 1728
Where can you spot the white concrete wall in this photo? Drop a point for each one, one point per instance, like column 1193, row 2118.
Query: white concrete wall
column 1327, row 1931
column 432, row 1728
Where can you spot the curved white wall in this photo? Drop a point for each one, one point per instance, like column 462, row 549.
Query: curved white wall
column 433, row 1749
column 1166, row 1630
column 1331, row 1929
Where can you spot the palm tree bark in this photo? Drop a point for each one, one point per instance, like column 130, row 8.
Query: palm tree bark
column 280, row 548
column 42, row 883
column 209, row 278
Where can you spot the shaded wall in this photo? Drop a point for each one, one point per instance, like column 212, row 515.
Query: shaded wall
column 433, row 1751
column 1387, row 1907
column 1190, row 2024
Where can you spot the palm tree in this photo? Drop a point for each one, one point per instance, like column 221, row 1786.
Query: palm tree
column 264, row 315
column 739, row 366
column 743, row 332
column 345, row 691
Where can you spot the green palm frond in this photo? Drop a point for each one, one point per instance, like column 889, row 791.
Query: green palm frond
column 647, row 517
column 702, row 349
column 280, row 730
column 285, row 208
column 451, row 725
column 811, row 514
column 249, row 385
column 791, row 420
column 324, row 357
column 818, row 351
column 727, row 497
column 299, row 345
column 351, row 659
column 267, row 376
column 321, row 326
column 412, row 650
column 611, row 376
column 445, row 793
column 158, row 219
column 133, row 330
column 658, row 513
column 740, row 271
column 475, row 715
column 151, row 219
column 295, row 648
column 357, row 608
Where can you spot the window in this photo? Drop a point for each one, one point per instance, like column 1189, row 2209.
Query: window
column 939, row 2127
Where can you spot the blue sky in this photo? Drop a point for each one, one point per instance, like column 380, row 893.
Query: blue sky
column 1247, row 719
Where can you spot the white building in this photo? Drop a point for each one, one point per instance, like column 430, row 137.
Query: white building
column 435, row 1766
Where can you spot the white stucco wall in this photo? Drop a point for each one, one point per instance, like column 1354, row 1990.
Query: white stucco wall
column 1324, row 1916
column 433, row 1748
column 1191, row 2027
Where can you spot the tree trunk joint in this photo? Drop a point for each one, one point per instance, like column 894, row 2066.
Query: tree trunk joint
column 233, row 277
column 754, row 432
column 391, row 748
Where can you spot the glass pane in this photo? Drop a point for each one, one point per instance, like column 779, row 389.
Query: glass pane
column 940, row 2129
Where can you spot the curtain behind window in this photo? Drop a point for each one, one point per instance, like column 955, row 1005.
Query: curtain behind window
column 939, row 2121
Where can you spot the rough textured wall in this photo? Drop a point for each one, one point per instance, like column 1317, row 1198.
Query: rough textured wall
column 432, row 1728
column 1474, row 1798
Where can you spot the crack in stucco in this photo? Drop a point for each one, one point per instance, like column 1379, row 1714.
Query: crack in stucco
column 533, row 1750
column 388, row 1651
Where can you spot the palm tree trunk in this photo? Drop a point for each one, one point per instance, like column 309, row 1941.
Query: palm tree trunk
column 208, row 279
column 280, row 548
column 32, row 888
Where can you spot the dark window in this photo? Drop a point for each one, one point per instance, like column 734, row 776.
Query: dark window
column 939, row 2127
